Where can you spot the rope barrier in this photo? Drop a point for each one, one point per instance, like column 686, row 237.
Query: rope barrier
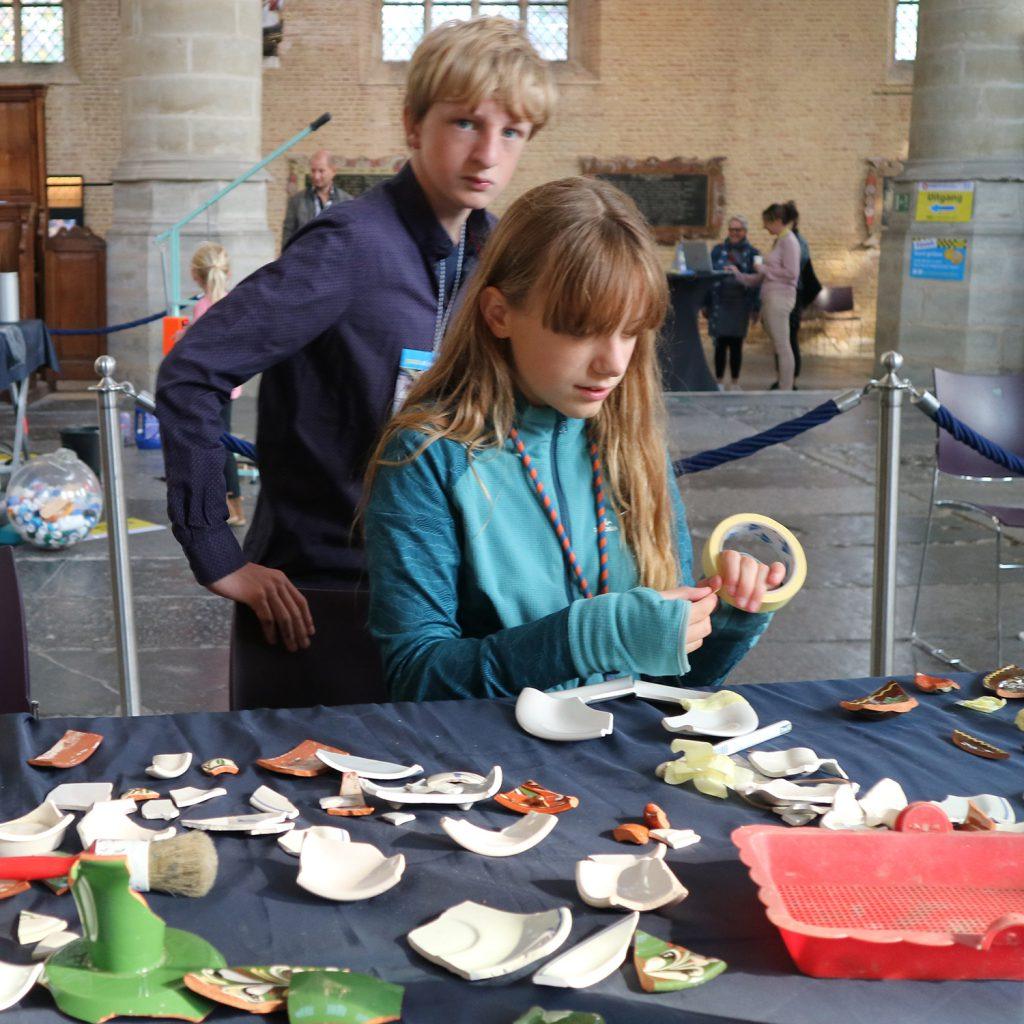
column 112, row 328
column 934, row 410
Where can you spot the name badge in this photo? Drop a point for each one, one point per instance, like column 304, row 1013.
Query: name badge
column 413, row 362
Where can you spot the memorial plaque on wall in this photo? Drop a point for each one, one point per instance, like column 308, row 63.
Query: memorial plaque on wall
column 681, row 198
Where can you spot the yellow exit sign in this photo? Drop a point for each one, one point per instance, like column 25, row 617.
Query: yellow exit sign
column 945, row 201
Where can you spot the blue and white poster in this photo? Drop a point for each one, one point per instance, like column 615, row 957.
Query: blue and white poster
column 938, row 259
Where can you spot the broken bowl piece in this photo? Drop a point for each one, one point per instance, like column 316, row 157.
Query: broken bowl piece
column 109, row 820
column 300, row 760
column 476, row 942
column 189, row 796
column 934, row 684
column 16, row 981
column 665, row 967
column 350, row 802
column 40, row 831
column 71, row 749
column 711, row 773
column 520, row 836
column 531, row 797
column 265, row 823
column 50, row 944
column 438, row 789
column 560, row 719
column 845, row 812
column 79, row 796
column 160, row 810
column 591, row 960
column 1007, row 682
column 398, row 818
column 882, row 803
column 169, row 766
column 343, row 997
column 978, row 747
column 779, row 764
column 33, row 927
column 998, row 808
column 219, row 766
column 291, row 842
column 367, row 768
column 361, row 873
column 267, row 799
column 256, row 989
column 888, row 699
column 722, row 714
column 632, row 883
column 675, row 838
column 140, row 794
column 986, row 705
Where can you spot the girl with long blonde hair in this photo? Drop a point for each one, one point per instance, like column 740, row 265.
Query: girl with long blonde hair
column 528, row 469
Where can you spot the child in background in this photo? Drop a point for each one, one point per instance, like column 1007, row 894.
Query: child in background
column 210, row 270
column 529, row 468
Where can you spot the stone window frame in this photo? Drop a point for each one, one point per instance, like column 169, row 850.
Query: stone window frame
column 580, row 68
column 64, row 73
column 899, row 72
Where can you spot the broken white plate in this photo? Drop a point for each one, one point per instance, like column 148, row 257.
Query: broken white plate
column 33, row 927
column 845, row 813
column 169, row 766
column 675, row 838
column 241, row 823
column 291, row 842
column 779, row 764
column 267, row 799
column 562, row 719
column 79, row 796
column 520, row 836
column 477, row 942
column 164, row 810
column 782, row 791
column 363, row 871
column 461, row 793
column 39, row 831
column 996, row 807
column 189, row 796
column 52, row 943
column 397, row 818
column 645, row 884
column 16, row 980
column 366, row 767
column 734, row 719
column 591, row 960
column 882, row 803
column 109, row 820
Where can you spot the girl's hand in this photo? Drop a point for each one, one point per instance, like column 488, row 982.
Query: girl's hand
column 745, row 579
column 703, row 599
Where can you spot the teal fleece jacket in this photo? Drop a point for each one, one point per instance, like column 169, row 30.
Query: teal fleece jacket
column 470, row 593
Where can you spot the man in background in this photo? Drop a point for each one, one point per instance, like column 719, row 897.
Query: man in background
column 322, row 193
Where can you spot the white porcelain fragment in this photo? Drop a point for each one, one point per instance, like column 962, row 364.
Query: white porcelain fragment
column 444, row 788
column 624, row 686
column 272, row 828
column 363, row 871
column 591, row 960
column 33, row 927
column 520, row 836
column 663, row 694
column 189, row 796
column 159, row 810
column 397, row 818
column 169, row 766
column 675, row 838
column 560, row 719
column 16, row 981
column 267, row 799
column 39, row 831
column 998, row 808
column 291, row 842
column 477, row 942
column 846, row 812
column 778, row 764
column 882, row 803
column 240, row 823
column 52, row 943
column 782, row 791
column 79, row 796
column 646, row 884
column 366, row 767
column 109, row 820
column 733, row 719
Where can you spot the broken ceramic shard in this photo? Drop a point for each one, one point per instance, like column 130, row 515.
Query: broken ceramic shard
column 565, row 720
column 655, row 817
column 986, row 705
column 189, row 796
column 79, row 796
column 71, row 749
column 979, row 747
column 640, row 883
column 710, row 773
column 460, row 788
column 140, row 794
column 398, row 818
column 256, row 989
column 16, row 981
column 39, row 831
column 33, row 927
column 538, row 1015
column 591, row 960
column 300, row 760
column 219, row 766
column 109, row 820
column 13, row 887
column 265, row 823
column 366, row 767
column 362, row 873
column 882, row 803
column 267, row 799
column 342, row 997
column 934, row 684
column 976, row 820
column 998, row 808
column 665, row 967
column 845, row 812
column 723, row 714
column 888, row 699
column 476, row 942
column 675, row 838
column 520, row 836
column 291, row 842
column 51, row 943
column 169, row 766
column 532, row 796
column 777, row 764
column 163, row 810
column 350, row 802
column 632, row 832
column 1007, row 681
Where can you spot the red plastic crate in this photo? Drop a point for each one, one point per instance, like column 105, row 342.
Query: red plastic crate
column 892, row 904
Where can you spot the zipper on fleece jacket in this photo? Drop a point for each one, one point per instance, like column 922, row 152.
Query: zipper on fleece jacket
column 563, row 505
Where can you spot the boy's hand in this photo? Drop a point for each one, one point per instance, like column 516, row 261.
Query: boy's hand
column 276, row 602
column 746, row 580
column 703, row 600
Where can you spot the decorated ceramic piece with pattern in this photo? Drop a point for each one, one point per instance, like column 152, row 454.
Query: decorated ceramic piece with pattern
column 888, row 699
column 538, row 1015
column 976, row 821
column 979, row 747
column 331, row 997
column 1007, row 681
column 256, row 989
column 219, row 766
column 71, row 749
column 10, row 887
column 934, row 684
column 140, row 794
column 300, row 760
column 665, row 967
column 532, row 797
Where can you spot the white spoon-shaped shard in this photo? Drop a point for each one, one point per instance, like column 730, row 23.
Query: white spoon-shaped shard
column 562, row 719
column 591, row 960
column 719, row 719
column 367, row 767
column 346, row 871
column 523, row 835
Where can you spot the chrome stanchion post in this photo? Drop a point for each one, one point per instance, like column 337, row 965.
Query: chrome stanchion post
column 107, row 394
column 883, row 598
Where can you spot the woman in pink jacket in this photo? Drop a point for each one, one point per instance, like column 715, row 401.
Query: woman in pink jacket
column 778, row 276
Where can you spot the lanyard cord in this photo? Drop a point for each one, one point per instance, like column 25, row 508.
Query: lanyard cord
column 443, row 313
column 548, row 506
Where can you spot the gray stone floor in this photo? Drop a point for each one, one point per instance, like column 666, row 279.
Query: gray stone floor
column 821, row 485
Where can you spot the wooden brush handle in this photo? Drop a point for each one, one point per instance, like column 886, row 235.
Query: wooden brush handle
column 29, row 869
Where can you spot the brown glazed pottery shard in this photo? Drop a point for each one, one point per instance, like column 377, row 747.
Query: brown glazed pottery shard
column 11, row 887
column 221, row 766
column 1007, row 681
column 978, row 747
column 71, row 749
column 934, row 684
column 300, row 760
column 976, row 821
column 888, row 699
column 655, row 817
column 631, row 832
column 532, row 796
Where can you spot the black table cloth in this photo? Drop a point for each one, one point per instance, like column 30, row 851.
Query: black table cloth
column 256, row 914
column 25, row 347
column 683, row 365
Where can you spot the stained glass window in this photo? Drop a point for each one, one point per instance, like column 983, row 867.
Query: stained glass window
column 32, row 32
column 404, row 22
column 905, row 47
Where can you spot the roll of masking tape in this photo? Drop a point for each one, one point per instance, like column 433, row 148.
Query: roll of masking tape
column 767, row 541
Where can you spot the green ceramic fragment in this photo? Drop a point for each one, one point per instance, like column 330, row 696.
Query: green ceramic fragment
column 536, row 1015
column 332, row 997
column 664, row 967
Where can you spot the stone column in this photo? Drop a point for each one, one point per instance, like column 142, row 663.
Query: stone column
column 967, row 124
column 191, row 122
